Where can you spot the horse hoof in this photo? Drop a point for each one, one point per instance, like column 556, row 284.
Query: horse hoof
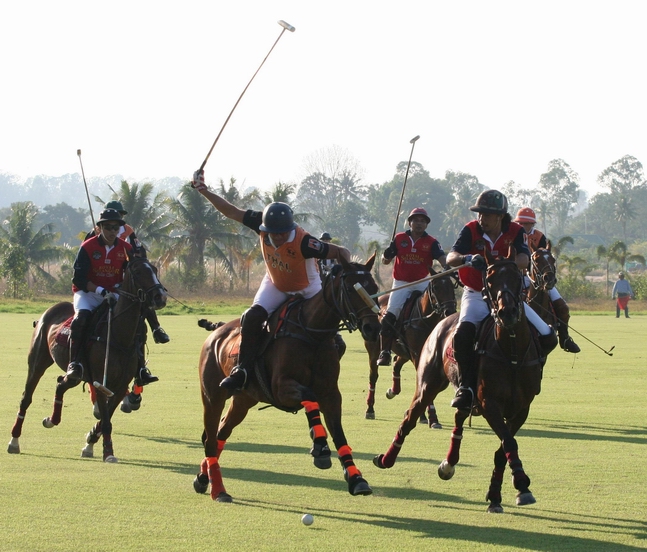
column 87, row 452
column 370, row 415
column 14, row 446
column 358, row 486
column 110, row 459
column 523, row 499
column 377, row 461
column 125, row 406
column 390, row 394
column 495, row 509
column 423, row 420
column 201, row 483
column 224, row 497
column 47, row 422
column 321, row 456
column 446, row 470
column 435, row 425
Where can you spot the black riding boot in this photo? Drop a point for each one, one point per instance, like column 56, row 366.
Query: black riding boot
column 387, row 333
column 563, row 316
column 159, row 335
column 144, row 376
column 465, row 359
column 77, row 337
column 251, row 333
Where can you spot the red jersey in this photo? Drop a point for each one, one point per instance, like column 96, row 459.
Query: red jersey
column 471, row 241
column 414, row 257
column 97, row 264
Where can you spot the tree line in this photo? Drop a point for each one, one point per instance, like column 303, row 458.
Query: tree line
column 198, row 249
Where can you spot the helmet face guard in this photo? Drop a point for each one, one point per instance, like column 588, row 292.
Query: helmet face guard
column 491, row 202
column 277, row 219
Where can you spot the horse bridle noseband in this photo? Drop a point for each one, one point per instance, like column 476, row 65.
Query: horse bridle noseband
column 539, row 274
column 349, row 316
column 141, row 296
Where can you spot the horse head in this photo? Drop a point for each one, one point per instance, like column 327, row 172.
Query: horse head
column 542, row 269
column 442, row 293
column 354, row 312
column 503, row 289
column 142, row 284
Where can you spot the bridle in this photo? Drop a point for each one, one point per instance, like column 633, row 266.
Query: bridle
column 340, row 299
column 540, row 282
column 141, row 296
column 505, row 289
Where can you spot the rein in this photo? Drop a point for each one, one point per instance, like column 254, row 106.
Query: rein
column 349, row 318
column 538, row 282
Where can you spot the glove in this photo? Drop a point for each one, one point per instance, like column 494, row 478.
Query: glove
column 476, row 261
column 198, row 181
column 390, row 252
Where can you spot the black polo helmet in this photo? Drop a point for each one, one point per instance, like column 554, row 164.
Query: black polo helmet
column 110, row 215
column 117, row 206
column 325, row 236
column 277, row 218
column 491, row 201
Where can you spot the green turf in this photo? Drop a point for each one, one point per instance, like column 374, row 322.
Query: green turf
column 583, row 447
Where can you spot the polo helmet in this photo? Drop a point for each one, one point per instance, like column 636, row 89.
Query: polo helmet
column 491, row 201
column 419, row 211
column 525, row 214
column 277, row 218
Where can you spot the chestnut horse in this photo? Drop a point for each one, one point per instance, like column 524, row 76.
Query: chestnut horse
column 509, row 363
column 419, row 316
column 299, row 368
column 543, row 278
column 141, row 287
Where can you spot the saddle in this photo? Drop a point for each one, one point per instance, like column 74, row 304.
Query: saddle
column 64, row 332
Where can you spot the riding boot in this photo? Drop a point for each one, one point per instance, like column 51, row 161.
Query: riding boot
column 463, row 344
column 627, row 312
column 617, row 311
column 548, row 342
column 562, row 313
column 387, row 333
column 77, row 337
column 159, row 335
column 144, row 376
column 251, row 333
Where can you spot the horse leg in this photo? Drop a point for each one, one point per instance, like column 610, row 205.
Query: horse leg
column 395, row 385
column 493, row 495
column 432, row 417
column 373, row 376
column 62, row 386
column 446, row 468
column 90, row 439
column 411, row 417
column 320, row 450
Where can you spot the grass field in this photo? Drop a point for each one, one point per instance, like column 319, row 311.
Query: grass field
column 583, row 448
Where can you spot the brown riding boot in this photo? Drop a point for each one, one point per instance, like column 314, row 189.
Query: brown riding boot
column 463, row 343
column 387, row 333
column 251, row 334
column 563, row 315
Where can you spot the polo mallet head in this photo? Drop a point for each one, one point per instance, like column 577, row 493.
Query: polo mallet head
column 286, row 27
column 366, row 297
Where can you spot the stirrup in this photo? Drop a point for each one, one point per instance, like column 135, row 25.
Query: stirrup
column 74, row 371
column 236, row 380
column 460, row 399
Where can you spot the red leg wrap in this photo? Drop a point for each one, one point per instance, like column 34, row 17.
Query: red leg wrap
column 56, row 415
column 215, row 477
column 370, row 399
column 455, row 447
column 396, row 384
column 389, row 458
column 346, row 457
column 16, row 430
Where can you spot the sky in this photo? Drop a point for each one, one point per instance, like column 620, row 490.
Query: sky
column 496, row 89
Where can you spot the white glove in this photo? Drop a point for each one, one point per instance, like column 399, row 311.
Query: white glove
column 198, row 181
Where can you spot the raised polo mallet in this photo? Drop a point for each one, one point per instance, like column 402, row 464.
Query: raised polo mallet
column 397, row 216
column 87, row 193
column 286, row 27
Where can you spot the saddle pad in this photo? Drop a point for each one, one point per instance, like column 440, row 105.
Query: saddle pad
column 63, row 334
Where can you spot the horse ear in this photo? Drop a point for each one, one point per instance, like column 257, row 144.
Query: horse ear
column 431, row 270
column 371, row 261
column 548, row 245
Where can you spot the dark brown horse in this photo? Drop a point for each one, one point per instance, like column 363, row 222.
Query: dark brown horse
column 510, row 362
column 298, row 369
column 140, row 288
column 419, row 316
column 543, row 278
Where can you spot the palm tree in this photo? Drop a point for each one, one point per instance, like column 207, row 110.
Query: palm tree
column 25, row 250
column 617, row 253
column 623, row 212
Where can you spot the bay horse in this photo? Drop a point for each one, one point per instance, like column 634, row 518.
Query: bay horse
column 542, row 274
column 419, row 316
column 299, row 368
column 510, row 362
column 141, row 287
